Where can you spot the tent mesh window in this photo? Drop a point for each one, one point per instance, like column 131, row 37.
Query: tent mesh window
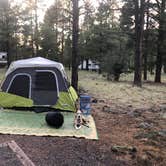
column 45, row 88
column 45, row 81
column 20, row 86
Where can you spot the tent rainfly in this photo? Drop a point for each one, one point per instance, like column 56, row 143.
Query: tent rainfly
column 37, row 82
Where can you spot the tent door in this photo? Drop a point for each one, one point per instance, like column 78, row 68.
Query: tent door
column 20, row 85
column 46, row 89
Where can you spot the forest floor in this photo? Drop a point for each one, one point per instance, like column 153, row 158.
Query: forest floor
column 131, row 125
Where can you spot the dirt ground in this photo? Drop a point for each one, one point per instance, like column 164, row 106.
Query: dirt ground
column 124, row 139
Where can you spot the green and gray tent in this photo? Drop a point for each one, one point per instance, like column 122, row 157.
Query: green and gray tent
column 37, row 82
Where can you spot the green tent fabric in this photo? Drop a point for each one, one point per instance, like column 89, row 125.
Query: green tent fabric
column 30, row 123
column 10, row 100
column 66, row 100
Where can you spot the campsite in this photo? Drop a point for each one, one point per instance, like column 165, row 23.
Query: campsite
column 82, row 82
column 128, row 125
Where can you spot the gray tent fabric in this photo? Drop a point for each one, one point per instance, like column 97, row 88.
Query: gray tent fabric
column 35, row 62
column 36, row 78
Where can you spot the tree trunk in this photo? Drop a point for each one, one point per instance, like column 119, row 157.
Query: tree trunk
column 8, row 50
column 82, row 64
column 8, row 37
column 165, row 67
column 62, row 40
column 139, row 24
column 74, row 81
column 87, row 64
column 151, row 71
column 160, row 43
column 36, row 30
column 145, row 57
column 32, row 36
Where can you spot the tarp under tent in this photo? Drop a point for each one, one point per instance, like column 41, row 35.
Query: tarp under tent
column 37, row 82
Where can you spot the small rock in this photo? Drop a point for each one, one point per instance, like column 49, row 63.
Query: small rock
column 144, row 160
column 162, row 133
column 152, row 154
column 145, row 125
column 123, row 112
column 108, row 109
column 163, row 115
column 163, row 107
column 94, row 101
column 134, row 114
column 124, row 149
column 101, row 101
column 144, row 157
column 144, row 139
column 148, row 135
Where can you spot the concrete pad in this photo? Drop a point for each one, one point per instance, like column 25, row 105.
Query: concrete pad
column 11, row 154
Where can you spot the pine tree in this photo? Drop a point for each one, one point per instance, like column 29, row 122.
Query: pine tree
column 161, row 39
column 74, row 77
column 139, row 25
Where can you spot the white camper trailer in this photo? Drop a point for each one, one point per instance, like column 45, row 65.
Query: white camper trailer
column 3, row 59
column 92, row 65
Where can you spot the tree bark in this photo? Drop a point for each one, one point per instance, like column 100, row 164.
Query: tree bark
column 87, row 64
column 62, row 44
column 75, row 30
column 32, row 36
column 8, row 37
column 139, row 24
column 160, row 43
column 8, row 50
column 82, row 64
column 165, row 67
column 145, row 57
column 36, row 30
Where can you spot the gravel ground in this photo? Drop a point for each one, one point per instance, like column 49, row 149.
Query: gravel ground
column 52, row 151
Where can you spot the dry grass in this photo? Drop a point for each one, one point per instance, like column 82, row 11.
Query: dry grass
column 123, row 93
column 2, row 73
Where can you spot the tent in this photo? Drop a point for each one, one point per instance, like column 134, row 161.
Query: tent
column 37, row 82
